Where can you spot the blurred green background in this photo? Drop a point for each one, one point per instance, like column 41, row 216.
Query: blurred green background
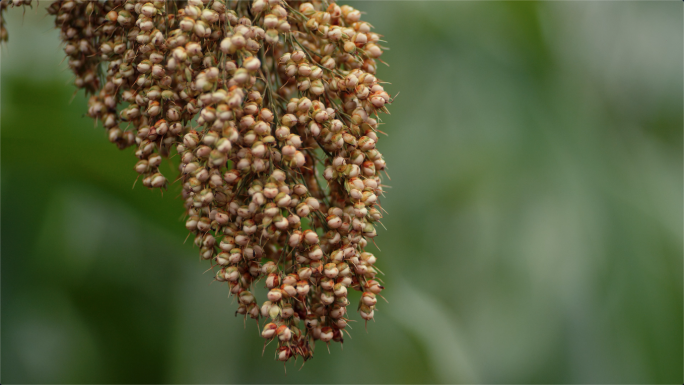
column 535, row 226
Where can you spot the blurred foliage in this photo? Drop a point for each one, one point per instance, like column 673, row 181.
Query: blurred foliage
column 535, row 227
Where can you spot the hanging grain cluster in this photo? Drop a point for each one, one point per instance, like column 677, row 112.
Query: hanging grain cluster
column 271, row 106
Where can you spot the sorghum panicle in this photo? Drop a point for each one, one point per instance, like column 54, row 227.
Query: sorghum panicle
column 272, row 107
